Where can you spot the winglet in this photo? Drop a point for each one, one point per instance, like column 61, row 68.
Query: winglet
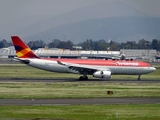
column 22, row 50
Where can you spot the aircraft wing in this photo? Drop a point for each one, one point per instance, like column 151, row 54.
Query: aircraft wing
column 80, row 68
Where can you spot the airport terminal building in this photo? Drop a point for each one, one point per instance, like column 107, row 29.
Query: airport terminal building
column 60, row 53
column 146, row 54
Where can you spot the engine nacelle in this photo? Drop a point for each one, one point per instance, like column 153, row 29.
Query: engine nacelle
column 102, row 74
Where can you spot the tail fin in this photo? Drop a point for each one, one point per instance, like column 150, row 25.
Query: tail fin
column 22, row 50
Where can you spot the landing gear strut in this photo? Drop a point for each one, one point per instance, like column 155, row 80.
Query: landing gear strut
column 139, row 77
column 83, row 78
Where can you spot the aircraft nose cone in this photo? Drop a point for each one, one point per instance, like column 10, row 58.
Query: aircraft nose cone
column 153, row 68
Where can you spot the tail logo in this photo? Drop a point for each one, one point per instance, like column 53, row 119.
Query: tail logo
column 23, row 52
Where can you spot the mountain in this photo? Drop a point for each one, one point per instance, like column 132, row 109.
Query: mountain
column 116, row 28
column 101, row 9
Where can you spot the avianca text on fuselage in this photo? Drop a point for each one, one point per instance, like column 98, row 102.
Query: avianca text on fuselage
column 127, row 63
column 98, row 68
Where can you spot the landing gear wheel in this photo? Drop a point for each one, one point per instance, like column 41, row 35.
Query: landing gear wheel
column 83, row 78
column 139, row 77
column 86, row 78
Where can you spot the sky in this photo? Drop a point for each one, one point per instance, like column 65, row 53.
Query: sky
column 13, row 9
column 148, row 6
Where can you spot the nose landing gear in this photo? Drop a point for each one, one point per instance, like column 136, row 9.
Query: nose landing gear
column 139, row 77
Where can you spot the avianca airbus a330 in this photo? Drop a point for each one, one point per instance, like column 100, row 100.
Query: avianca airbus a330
column 98, row 68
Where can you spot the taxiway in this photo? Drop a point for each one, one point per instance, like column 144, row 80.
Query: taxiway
column 94, row 101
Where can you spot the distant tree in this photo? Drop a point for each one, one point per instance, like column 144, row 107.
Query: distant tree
column 102, row 45
column 51, row 45
column 86, row 45
column 36, row 44
column 69, row 45
column 158, row 48
column 155, row 44
column 1, row 44
column 30, row 44
column 65, row 45
column 114, row 45
column 142, row 44
column 148, row 45
column 99, row 45
column 54, row 43
column 131, row 45
column 122, row 45
column 89, row 44
column 5, row 43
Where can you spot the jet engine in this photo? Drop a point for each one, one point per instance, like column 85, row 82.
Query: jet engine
column 102, row 74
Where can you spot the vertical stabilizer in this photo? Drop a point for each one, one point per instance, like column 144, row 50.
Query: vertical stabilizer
column 22, row 50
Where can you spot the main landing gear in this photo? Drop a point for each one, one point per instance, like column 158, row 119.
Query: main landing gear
column 83, row 77
column 139, row 77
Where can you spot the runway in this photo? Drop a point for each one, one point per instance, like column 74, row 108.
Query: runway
column 75, row 80
column 92, row 101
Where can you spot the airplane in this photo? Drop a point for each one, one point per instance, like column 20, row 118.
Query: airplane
column 102, row 69
column 121, row 56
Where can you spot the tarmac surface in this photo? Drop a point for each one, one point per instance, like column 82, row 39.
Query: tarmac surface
column 93, row 101
column 75, row 80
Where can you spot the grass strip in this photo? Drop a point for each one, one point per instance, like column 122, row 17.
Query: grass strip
column 35, row 90
column 83, row 112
